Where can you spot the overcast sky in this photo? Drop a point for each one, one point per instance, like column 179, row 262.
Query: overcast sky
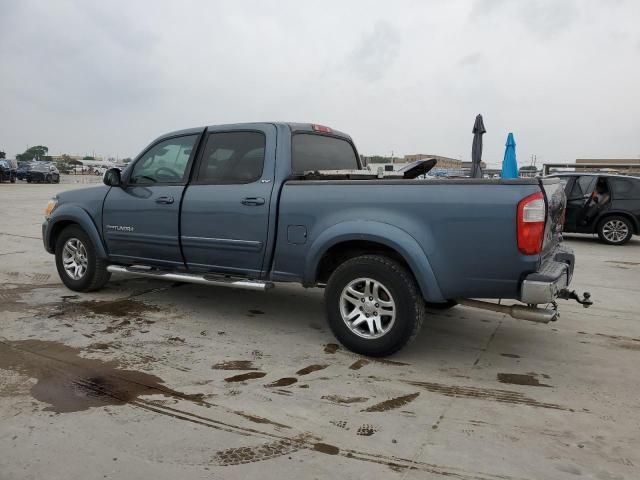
column 401, row 76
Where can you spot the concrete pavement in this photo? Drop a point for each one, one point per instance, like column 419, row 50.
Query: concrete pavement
column 158, row 380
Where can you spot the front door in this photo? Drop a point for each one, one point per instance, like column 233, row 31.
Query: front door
column 225, row 212
column 577, row 202
column 141, row 218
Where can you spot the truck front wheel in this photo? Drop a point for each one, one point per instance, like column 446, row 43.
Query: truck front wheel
column 78, row 265
column 374, row 306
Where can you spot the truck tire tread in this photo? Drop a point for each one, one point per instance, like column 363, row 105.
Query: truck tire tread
column 97, row 274
column 409, row 287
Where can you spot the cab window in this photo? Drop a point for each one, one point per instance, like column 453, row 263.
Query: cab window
column 232, row 158
column 165, row 162
column 583, row 186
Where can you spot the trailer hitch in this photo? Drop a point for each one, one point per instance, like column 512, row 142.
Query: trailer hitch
column 585, row 301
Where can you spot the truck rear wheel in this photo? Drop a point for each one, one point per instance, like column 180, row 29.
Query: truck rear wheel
column 78, row 265
column 374, row 306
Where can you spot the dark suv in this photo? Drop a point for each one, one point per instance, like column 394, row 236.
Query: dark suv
column 8, row 170
column 43, row 172
column 608, row 205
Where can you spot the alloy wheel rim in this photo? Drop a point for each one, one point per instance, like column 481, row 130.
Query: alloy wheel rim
column 367, row 308
column 615, row 230
column 74, row 259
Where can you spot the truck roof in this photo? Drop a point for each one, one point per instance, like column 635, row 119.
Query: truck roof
column 293, row 126
column 592, row 174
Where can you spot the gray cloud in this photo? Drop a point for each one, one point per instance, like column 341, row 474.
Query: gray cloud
column 375, row 52
column 406, row 76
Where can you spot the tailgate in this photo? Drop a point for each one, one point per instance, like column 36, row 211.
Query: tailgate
column 556, row 203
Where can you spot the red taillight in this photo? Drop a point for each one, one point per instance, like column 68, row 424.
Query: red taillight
column 320, row 128
column 532, row 213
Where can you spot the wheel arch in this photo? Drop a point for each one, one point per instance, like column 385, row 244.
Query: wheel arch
column 618, row 213
column 65, row 216
column 348, row 239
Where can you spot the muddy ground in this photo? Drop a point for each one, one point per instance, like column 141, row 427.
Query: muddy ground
column 166, row 380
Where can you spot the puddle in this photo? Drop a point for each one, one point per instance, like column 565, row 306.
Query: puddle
column 234, row 365
column 510, row 355
column 358, row 364
column 245, row 376
column 68, row 382
column 283, row 382
column 502, row 396
column 392, row 403
column 256, row 312
column 310, row 369
column 521, row 379
column 341, row 399
column 257, row 419
column 326, row 448
column 331, row 348
column 126, row 307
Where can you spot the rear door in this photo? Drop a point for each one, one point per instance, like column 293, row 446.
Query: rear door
column 225, row 212
column 577, row 200
column 141, row 218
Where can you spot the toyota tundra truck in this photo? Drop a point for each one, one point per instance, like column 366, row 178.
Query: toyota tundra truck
column 250, row 205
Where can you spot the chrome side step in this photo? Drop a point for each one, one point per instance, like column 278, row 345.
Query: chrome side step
column 191, row 278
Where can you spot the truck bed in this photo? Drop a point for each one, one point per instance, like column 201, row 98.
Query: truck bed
column 462, row 226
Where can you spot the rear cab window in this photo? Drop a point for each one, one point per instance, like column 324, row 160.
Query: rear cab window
column 311, row 152
column 625, row 188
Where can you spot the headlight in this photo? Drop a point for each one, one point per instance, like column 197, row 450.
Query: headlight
column 51, row 206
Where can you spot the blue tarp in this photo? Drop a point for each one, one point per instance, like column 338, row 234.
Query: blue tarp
column 509, row 163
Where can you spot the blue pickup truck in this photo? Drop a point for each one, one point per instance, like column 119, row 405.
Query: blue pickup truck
column 250, row 205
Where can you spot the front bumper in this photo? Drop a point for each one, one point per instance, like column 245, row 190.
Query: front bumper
column 553, row 276
column 45, row 236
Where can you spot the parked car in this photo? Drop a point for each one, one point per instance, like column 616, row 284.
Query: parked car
column 248, row 205
column 608, row 205
column 8, row 170
column 23, row 168
column 43, row 172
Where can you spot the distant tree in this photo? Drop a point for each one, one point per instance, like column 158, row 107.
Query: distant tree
column 126, row 160
column 39, row 152
column 88, row 157
column 2, row 154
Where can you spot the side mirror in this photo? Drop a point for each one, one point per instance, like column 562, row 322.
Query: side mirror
column 112, row 177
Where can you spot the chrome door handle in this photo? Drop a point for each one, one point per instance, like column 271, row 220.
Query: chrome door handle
column 165, row 200
column 253, row 201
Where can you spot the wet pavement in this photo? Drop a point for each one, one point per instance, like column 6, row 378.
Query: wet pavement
column 166, row 380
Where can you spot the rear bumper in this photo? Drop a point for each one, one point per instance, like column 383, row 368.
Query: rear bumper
column 555, row 274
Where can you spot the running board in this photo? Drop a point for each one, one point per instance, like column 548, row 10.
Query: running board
column 219, row 281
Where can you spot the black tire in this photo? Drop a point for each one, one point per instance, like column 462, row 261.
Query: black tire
column 404, row 292
column 28, row 180
column 96, row 275
column 57, row 180
column 47, row 179
column 441, row 305
column 615, row 230
column 13, row 179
